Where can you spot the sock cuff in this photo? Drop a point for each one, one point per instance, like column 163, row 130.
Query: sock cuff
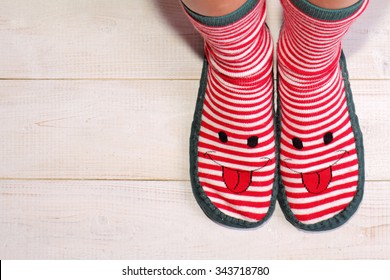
column 317, row 12
column 223, row 20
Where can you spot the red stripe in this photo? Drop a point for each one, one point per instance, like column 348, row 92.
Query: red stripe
column 309, row 195
column 250, row 215
column 321, row 202
column 237, row 202
column 322, row 213
column 257, row 188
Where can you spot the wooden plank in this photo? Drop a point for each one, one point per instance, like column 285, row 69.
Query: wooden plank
column 161, row 220
column 143, row 39
column 95, row 129
column 132, row 129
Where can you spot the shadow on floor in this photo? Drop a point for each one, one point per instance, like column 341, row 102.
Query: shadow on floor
column 173, row 13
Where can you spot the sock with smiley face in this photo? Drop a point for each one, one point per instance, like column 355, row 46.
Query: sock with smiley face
column 321, row 152
column 232, row 144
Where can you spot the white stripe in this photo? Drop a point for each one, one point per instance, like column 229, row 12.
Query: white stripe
column 326, row 125
column 322, row 218
column 244, row 117
column 310, row 159
column 259, row 64
column 237, row 216
column 240, row 124
column 255, row 210
column 261, row 107
column 320, row 196
column 255, row 177
column 322, row 207
column 243, row 159
column 316, row 96
column 249, row 151
column 268, row 167
column 336, row 134
column 347, row 169
column 300, row 64
column 243, row 198
column 335, row 111
column 235, row 131
column 236, row 49
column 245, row 97
column 321, row 167
column 331, row 101
column 297, row 181
column 243, row 90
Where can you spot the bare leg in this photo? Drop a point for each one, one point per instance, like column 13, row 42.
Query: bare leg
column 333, row 4
column 214, row 7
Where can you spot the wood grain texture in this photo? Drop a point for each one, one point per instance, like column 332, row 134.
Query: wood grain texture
column 132, row 129
column 143, row 39
column 161, row 220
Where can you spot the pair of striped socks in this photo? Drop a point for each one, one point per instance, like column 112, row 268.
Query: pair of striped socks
column 308, row 154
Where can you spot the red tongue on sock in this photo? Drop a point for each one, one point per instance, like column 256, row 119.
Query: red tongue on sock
column 317, row 182
column 236, row 180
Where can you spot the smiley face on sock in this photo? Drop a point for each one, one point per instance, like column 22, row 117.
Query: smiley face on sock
column 236, row 179
column 316, row 180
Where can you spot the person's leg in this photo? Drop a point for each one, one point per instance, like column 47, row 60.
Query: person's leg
column 213, row 7
column 333, row 4
column 232, row 152
column 321, row 149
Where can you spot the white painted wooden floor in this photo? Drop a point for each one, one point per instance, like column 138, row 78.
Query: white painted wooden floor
column 96, row 103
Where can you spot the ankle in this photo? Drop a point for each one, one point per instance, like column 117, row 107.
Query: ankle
column 214, row 8
column 333, row 5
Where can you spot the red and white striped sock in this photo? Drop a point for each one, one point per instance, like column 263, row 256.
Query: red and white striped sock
column 321, row 153
column 232, row 140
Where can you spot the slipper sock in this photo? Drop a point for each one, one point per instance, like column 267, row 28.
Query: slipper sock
column 321, row 153
column 232, row 140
